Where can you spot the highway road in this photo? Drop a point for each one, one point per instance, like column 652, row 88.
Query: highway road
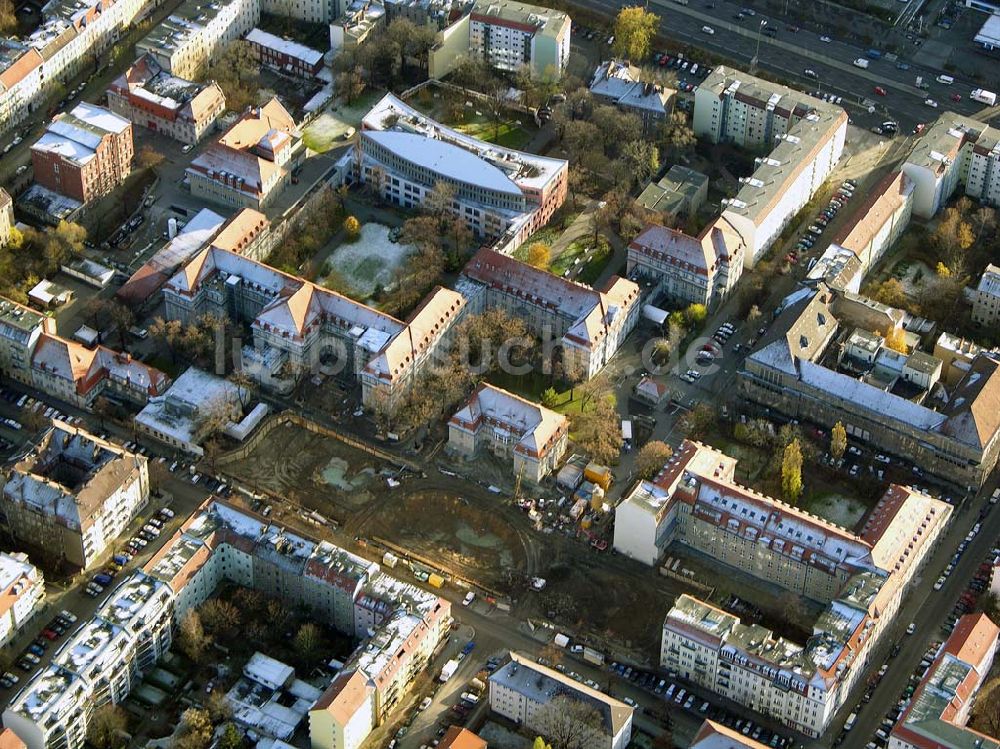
column 790, row 53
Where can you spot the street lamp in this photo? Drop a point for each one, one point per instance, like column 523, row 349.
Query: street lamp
column 756, row 55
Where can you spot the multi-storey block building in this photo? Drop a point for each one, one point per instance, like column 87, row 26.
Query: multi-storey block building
column 498, row 191
column 888, row 399
column 590, row 325
column 358, row 24
column 986, row 299
column 197, row 32
column 701, row 270
column 6, row 217
column 535, row 437
column 102, row 662
column 248, row 166
column 84, row 154
column 508, row 36
column 400, row 624
column 804, row 136
column 620, row 83
column 150, row 97
column 74, row 494
column 285, row 56
column 937, row 714
column 22, row 594
column 955, row 150
column 528, row 694
column 304, row 328
column 20, row 330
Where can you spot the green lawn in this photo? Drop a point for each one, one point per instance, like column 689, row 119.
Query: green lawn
column 576, row 251
column 508, row 135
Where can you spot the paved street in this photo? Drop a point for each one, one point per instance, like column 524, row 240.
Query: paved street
column 790, row 53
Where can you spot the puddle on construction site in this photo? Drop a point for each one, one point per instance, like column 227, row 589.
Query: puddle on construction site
column 337, row 474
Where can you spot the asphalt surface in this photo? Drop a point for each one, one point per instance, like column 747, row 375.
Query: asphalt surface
column 792, row 52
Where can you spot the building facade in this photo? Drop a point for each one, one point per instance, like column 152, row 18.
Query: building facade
column 509, row 426
column 986, row 299
column 529, row 695
column 249, row 165
column 804, row 136
column 620, row 84
column 688, row 270
column 196, row 33
column 499, row 192
column 590, row 325
column 84, row 154
column 399, row 623
column 20, row 330
column 23, row 594
column 152, row 98
column 284, row 56
column 74, row 494
column 954, row 151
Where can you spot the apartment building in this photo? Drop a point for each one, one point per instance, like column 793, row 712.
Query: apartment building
column 509, row 426
column 79, row 375
column 358, row 24
column 620, row 84
column 20, row 330
column 986, row 299
column 955, row 151
column 6, row 217
column 939, row 710
column 150, row 97
column 22, row 594
column 284, row 56
column 688, row 270
column 879, row 221
column 249, row 165
column 102, row 662
column 508, row 36
column 69, row 36
column 589, row 324
column 84, row 154
column 530, row 695
column 803, row 135
column 400, row 624
column 498, row 191
column 300, row 328
column 344, row 716
column 74, row 494
column 890, row 401
column 186, row 41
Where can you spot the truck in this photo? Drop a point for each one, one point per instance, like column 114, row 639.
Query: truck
column 448, row 670
column 874, row 54
column 861, row 63
column 595, row 657
column 983, row 96
column 561, row 640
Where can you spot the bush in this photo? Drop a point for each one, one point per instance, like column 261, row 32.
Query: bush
column 352, row 226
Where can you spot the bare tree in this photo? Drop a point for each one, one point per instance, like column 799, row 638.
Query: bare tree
column 106, row 727
column 569, row 724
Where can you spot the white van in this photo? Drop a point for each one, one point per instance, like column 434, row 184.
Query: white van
column 947, row 80
column 708, row 30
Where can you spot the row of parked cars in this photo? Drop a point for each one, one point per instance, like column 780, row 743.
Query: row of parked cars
column 682, row 698
column 34, row 653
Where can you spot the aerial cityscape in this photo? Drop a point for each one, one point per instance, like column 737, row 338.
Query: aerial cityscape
column 401, row 374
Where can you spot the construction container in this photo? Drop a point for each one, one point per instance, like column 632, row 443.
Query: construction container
column 436, row 580
column 600, row 475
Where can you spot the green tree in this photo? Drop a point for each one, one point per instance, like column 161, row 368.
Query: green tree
column 238, row 74
column 639, row 161
column 651, row 458
column 890, row 292
column 791, row 472
column 539, row 255
column 676, row 136
column 635, row 29
column 308, row 640
column 352, row 227
column 539, row 743
column 697, row 422
column 549, row 397
column 195, row 729
column 695, row 313
column 838, row 441
column 231, row 738
column 598, row 431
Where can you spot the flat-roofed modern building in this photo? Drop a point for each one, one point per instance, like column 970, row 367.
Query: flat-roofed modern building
column 499, row 192
column 804, row 137
column 152, row 98
column 20, row 330
column 509, row 426
column 956, row 150
column 535, row 697
column 74, row 494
